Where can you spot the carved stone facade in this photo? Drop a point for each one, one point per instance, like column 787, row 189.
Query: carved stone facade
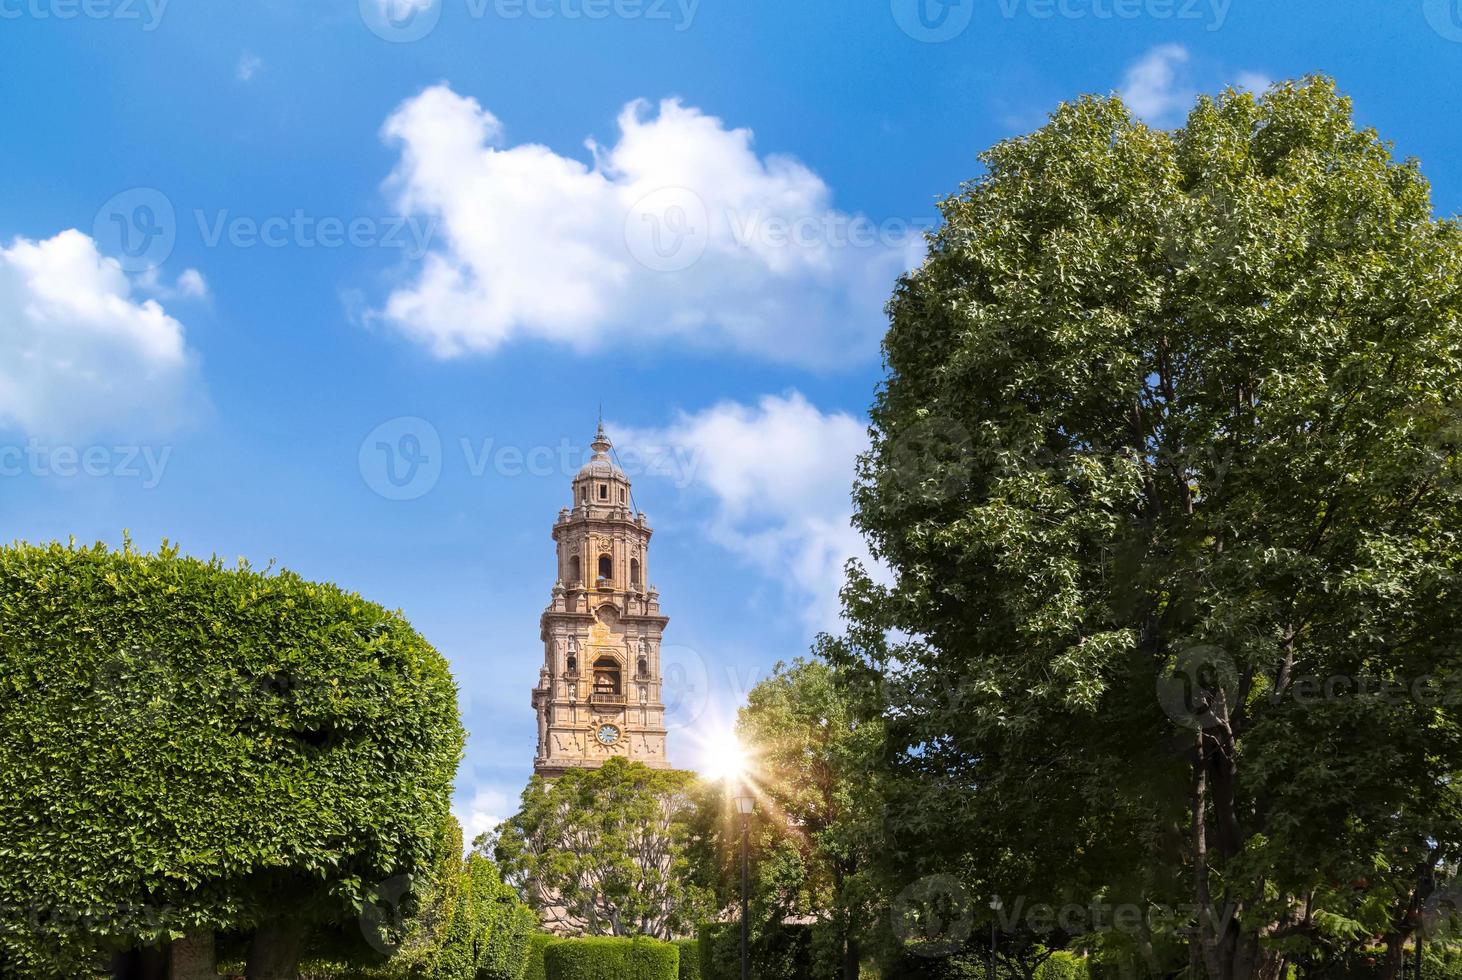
column 598, row 691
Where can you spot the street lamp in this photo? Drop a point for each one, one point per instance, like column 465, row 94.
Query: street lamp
column 994, row 919
column 745, row 806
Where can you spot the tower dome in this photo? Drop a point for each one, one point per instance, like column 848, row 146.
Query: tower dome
column 600, row 482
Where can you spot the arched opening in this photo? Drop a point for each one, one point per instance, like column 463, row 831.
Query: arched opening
column 644, row 666
column 606, row 571
column 634, row 572
column 576, row 578
column 606, row 676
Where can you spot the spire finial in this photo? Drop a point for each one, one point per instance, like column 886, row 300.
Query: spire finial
column 601, row 443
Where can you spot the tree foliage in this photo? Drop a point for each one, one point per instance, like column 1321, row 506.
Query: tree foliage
column 603, row 852
column 1168, row 442
column 186, row 747
column 812, row 761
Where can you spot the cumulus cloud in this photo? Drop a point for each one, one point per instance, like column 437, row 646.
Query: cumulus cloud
column 482, row 813
column 1154, row 87
column 781, row 475
column 1159, row 88
column 678, row 231
column 78, row 353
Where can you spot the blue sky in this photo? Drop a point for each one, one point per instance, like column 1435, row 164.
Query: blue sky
column 244, row 244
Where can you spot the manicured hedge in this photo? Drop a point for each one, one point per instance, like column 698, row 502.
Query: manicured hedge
column 605, row 958
column 185, row 746
column 785, row 953
column 690, row 958
column 533, row 968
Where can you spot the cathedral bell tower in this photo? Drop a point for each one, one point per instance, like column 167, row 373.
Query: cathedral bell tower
column 598, row 692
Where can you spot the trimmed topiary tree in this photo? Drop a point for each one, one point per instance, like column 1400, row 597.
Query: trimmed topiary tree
column 187, row 748
column 611, row 958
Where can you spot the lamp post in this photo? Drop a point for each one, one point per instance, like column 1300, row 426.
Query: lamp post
column 745, row 806
column 994, row 919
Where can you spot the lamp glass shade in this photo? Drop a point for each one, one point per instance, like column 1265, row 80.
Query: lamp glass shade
column 745, row 804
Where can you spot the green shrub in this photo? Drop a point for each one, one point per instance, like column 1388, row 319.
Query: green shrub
column 533, row 968
column 781, row 953
column 690, row 959
column 708, row 951
column 1062, row 966
column 211, row 748
column 606, row 958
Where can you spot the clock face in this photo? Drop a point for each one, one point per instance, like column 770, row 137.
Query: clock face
column 608, row 734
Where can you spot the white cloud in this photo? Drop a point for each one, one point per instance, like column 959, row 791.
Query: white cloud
column 1155, row 87
column 190, row 284
column 78, row 354
column 677, row 231
column 248, row 66
column 781, row 473
column 1159, row 88
column 482, row 813
column 1252, row 81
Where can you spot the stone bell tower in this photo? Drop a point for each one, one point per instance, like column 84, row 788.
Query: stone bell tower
column 598, row 691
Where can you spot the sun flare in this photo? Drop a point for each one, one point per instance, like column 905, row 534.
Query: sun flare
column 723, row 757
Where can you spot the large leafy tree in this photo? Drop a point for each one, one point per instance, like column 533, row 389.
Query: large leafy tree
column 603, row 852
column 1169, row 439
column 189, row 750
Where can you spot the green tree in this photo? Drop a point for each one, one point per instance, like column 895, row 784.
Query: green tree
column 188, row 749
column 1168, row 442
column 811, row 760
column 603, row 852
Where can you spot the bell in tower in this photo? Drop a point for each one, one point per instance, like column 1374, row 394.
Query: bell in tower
column 601, row 631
